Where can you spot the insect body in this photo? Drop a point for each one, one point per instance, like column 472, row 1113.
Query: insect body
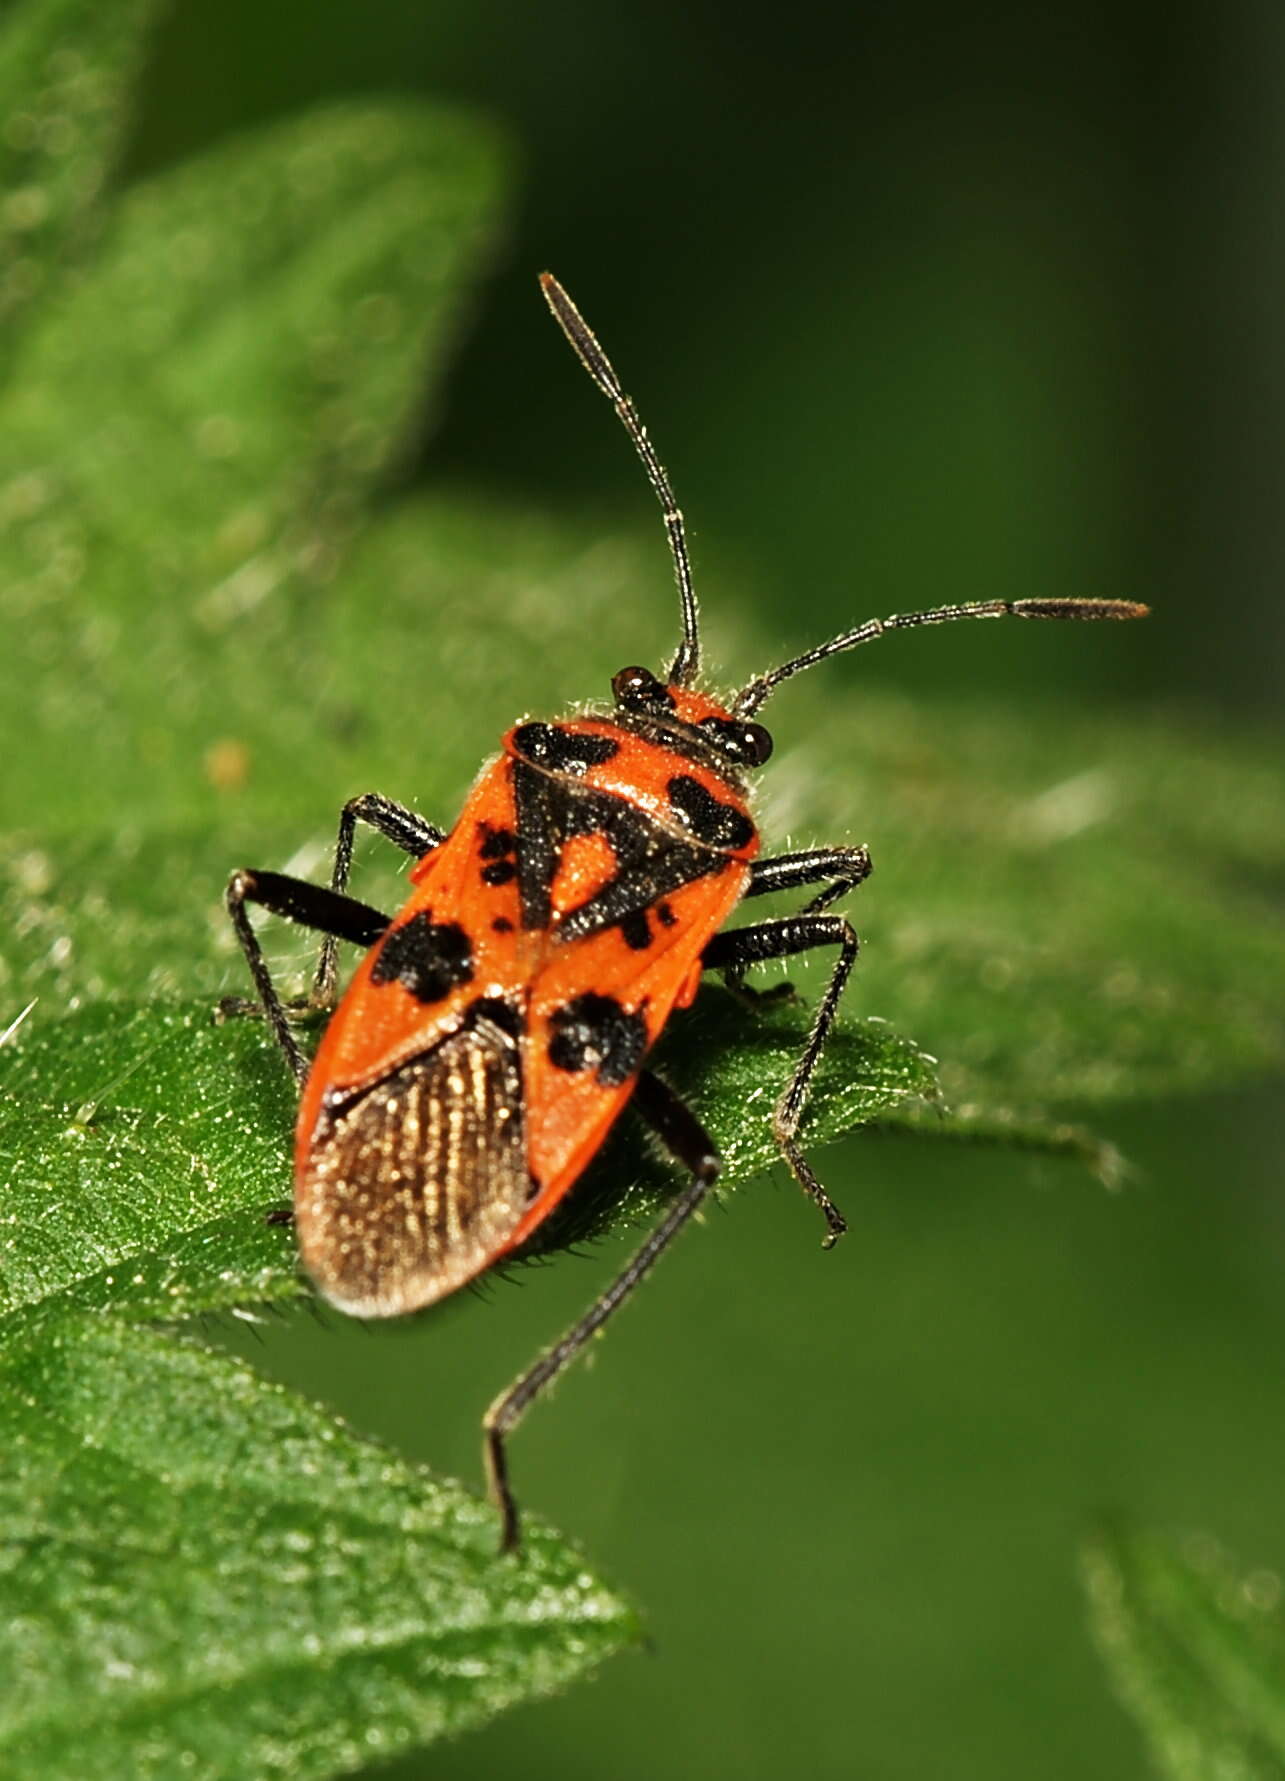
column 489, row 1041
column 500, row 1023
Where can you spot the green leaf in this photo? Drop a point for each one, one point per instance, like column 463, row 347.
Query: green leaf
column 1067, row 909
column 198, row 425
column 204, row 1576
column 66, row 69
column 145, row 1189
column 1197, row 1653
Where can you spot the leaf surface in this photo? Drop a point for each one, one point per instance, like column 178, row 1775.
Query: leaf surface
column 1196, row 1649
column 205, row 1576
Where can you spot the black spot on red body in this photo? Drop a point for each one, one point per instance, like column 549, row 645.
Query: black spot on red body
column 501, row 925
column 596, row 1032
column 428, row 958
column 496, row 844
column 499, row 872
column 635, row 930
column 562, row 750
column 665, row 915
column 708, row 818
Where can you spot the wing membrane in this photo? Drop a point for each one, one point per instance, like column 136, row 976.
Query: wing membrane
column 412, row 1186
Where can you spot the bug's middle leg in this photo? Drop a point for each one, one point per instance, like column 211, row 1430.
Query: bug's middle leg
column 342, row 917
column 405, row 829
column 685, row 1138
column 736, row 951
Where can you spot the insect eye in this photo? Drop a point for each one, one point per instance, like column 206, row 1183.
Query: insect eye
column 748, row 745
column 637, row 688
column 758, row 743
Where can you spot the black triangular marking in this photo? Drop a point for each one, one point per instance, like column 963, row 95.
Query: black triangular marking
column 651, row 863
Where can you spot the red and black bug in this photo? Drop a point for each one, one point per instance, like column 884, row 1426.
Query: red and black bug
column 499, row 1025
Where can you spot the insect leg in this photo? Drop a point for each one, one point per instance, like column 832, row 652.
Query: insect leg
column 680, row 1132
column 404, row 828
column 313, row 907
column 742, row 947
column 838, row 869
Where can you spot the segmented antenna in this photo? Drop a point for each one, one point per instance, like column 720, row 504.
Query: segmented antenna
column 687, row 662
column 763, row 686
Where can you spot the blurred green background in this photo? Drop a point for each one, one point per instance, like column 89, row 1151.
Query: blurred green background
column 920, row 303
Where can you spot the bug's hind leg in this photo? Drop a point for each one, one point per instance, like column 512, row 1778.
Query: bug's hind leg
column 682, row 1134
column 337, row 916
column 742, row 947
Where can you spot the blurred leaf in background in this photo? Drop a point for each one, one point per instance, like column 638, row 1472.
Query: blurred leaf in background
column 1197, row 1651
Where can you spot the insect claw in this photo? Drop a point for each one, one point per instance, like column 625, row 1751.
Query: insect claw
column 297, row 1008
column 758, row 1000
column 497, row 1474
column 235, row 1008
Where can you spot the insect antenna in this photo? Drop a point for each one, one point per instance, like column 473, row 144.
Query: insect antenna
column 687, row 662
column 761, row 688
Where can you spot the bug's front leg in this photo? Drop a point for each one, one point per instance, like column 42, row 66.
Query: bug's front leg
column 836, row 869
column 740, row 948
column 339, row 917
column 686, row 1139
